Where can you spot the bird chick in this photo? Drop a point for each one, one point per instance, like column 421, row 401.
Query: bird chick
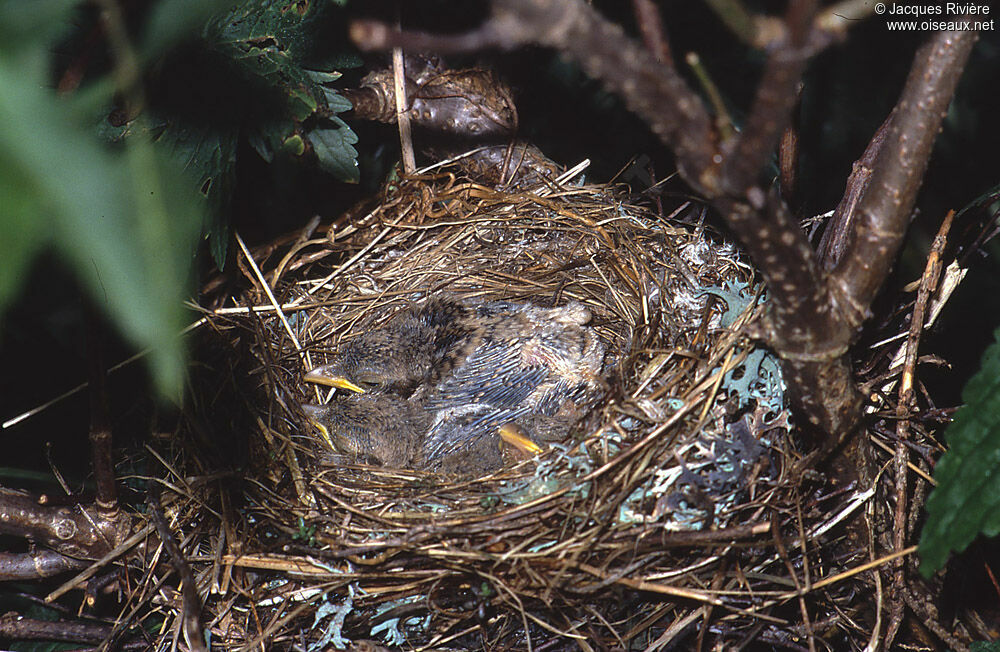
column 384, row 428
column 473, row 440
column 394, row 432
column 528, row 360
column 417, row 346
column 491, row 378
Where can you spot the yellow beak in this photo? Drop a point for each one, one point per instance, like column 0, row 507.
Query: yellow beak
column 514, row 435
column 322, row 376
column 315, row 414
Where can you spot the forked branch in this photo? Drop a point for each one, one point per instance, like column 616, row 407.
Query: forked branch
column 813, row 316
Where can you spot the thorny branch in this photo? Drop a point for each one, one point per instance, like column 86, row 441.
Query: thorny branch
column 813, row 315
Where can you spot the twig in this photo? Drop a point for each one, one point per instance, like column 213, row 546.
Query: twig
column 928, row 282
column 875, row 563
column 672, row 110
column 402, row 111
column 677, row 592
column 772, row 107
column 191, row 616
column 840, row 226
column 33, row 565
column 99, row 564
column 723, row 121
column 15, row 627
column 100, row 422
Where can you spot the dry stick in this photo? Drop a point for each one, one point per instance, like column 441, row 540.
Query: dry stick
column 100, row 563
column 772, row 106
column 15, row 627
column 402, row 113
column 34, row 565
column 655, row 91
column 675, row 591
column 788, row 164
column 782, row 551
column 191, row 608
column 928, row 282
column 100, row 423
column 927, row 611
column 270, row 295
column 723, row 120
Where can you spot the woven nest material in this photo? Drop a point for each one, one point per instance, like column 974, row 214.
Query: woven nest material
column 606, row 539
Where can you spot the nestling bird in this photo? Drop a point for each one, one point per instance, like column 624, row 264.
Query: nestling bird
column 382, row 427
column 417, row 347
column 396, row 432
column 484, row 376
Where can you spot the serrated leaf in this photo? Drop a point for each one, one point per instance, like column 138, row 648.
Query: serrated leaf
column 966, row 501
column 334, row 147
column 268, row 41
column 208, row 155
column 337, row 102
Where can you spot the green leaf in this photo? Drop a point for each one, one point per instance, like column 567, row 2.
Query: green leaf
column 334, row 147
column 985, row 646
column 22, row 223
column 31, row 25
column 207, row 154
column 269, row 43
column 124, row 222
column 337, row 103
column 966, row 501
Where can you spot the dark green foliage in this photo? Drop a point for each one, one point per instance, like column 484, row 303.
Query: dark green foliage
column 126, row 217
column 251, row 75
column 966, row 501
column 985, row 646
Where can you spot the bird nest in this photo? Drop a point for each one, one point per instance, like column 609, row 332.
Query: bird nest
column 657, row 507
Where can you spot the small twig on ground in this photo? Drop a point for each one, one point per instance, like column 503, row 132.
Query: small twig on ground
column 100, row 421
column 192, row 606
column 928, row 283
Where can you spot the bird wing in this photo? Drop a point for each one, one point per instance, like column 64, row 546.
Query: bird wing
column 466, row 428
column 494, row 375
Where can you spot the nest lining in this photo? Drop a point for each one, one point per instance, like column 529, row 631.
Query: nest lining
column 693, row 435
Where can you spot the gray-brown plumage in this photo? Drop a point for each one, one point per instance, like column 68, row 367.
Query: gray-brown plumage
column 416, row 347
column 532, row 366
column 381, row 427
column 480, row 374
